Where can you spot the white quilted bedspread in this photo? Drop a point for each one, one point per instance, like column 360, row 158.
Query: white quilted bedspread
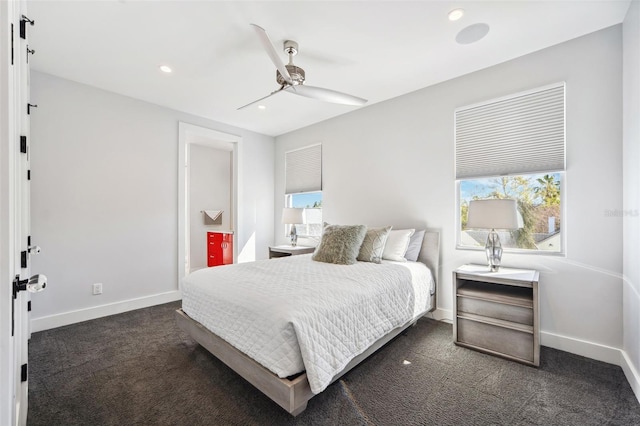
column 294, row 314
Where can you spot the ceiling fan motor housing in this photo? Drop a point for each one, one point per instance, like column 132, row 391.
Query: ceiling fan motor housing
column 296, row 73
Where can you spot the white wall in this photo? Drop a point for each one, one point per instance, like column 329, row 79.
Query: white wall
column 209, row 189
column 104, row 199
column 631, row 234
column 393, row 163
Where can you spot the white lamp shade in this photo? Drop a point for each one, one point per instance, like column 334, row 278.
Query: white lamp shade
column 493, row 214
column 292, row 216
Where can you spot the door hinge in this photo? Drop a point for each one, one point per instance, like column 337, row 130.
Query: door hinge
column 29, row 306
column 23, row 144
column 23, row 26
column 29, row 51
column 23, row 373
column 29, row 241
column 29, row 106
column 23, row 259
column 28, row 174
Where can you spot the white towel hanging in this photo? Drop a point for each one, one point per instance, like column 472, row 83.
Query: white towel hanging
column 212, row 217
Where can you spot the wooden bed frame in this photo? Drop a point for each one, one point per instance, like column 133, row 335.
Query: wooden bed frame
column 293, row 395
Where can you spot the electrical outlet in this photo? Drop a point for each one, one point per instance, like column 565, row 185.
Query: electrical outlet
column 97, row 288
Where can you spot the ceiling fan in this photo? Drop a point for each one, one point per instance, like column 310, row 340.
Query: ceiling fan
column 291, row 78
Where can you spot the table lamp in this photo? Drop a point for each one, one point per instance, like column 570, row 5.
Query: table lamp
column 292, row 216
column 493, row 214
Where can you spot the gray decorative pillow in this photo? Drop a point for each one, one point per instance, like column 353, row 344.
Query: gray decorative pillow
column 373, row 245
column 340, row 244
column 415, row 245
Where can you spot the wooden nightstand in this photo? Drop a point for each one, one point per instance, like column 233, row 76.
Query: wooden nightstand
column 497, row 312
column 283, row 251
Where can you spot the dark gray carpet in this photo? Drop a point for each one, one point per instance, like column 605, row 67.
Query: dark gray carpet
column 138, row 368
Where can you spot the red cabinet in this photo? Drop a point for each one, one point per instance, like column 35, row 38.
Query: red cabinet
column 219, row 248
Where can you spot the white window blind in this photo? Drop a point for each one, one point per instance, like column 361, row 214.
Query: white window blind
column 303, row 170
column 519, row 134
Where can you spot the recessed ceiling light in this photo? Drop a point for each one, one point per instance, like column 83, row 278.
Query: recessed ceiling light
column 165, row 68
column 262, row 107
column 456, row 14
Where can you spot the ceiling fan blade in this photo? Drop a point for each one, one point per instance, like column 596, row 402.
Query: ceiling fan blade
column 271, row 51
column 265, row 97
column 326, row 95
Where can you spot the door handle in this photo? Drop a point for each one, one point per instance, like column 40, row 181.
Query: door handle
column 34, row 284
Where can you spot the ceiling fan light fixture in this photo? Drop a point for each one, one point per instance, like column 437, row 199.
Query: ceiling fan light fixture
column 456, row 14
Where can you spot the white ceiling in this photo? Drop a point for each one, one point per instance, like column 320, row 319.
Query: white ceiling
column 372, row 49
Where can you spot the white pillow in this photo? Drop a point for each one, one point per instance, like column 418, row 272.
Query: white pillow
column 396, row 245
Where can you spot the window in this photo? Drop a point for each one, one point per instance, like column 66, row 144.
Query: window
column 303, row 188
column 311, row 202
column 514, row 147
column 539, row 203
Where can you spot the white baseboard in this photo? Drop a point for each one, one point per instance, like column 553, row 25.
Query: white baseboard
column 443, row 315
column 584, row 348
column 632, row 374
column 67, row 318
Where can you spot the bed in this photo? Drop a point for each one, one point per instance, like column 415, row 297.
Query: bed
column 292, row 326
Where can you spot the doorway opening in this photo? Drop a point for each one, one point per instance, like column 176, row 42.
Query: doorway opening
column 208, row 163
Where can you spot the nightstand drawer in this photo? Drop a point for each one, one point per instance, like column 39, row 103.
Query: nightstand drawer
column 487, row 308
column 502, row 340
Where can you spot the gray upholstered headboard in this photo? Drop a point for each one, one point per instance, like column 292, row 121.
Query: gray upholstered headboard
column 430, row 256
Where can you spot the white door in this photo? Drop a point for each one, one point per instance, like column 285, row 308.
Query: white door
column 23, row 215
column 14, row 212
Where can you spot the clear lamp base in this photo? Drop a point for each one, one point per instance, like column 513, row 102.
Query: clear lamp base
column 493, row 249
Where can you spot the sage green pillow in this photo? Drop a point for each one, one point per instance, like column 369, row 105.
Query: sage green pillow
column 340, row 244
column 373, row 245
